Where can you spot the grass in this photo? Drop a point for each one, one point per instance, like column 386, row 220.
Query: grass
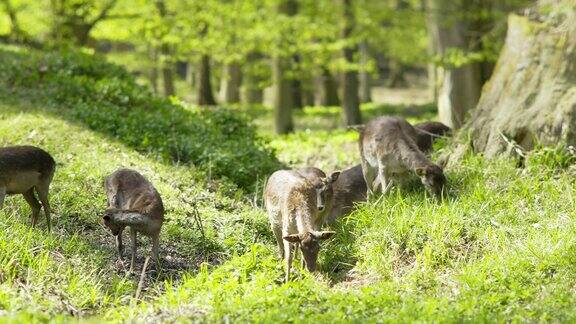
column 501, row 247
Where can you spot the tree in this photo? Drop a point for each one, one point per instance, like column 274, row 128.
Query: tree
column 531, row 97
column 166, row 55
column 205, row 97
column 230, row 84
column 459, row 84
column 75, row 19
column 350, row 85
column 281, row 63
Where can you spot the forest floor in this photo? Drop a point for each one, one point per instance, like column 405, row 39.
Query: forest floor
column 501, row 247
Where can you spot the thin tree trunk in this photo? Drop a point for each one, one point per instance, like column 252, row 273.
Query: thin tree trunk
column 327, row 89
column 252, row 90
column 365, row 79
column 350, row 84
column 297, row 86
column 283, row 87
column 283, row 103
column 205, row 96
column 459, row 87
column 230, row 83
column 167, row 71
column 153, row 53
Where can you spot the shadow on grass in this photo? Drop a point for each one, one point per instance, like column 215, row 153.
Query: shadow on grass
column 105, row 98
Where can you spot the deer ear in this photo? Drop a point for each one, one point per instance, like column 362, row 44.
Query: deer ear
column 334, row 176
column 323, row 235
column 293, row 238
column 420, row 172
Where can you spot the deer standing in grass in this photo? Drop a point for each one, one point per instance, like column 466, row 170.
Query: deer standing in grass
column 296, row 202
column 25, row 170
column 388, row 149
column 134, row 202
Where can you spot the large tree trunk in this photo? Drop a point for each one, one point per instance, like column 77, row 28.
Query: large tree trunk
column 459, row 87
column 350, row 99
column 230, row 84
column 531, row 96
column 327, row 89
column 205, row 97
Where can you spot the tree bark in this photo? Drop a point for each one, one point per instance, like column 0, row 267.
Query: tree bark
column 350, row 99
column 153, row 54
column 365, row 79
column 531, row 96
column 459, row 87
column 230, row 84
column 205, row 97
column 297, row 85
column 327, row 89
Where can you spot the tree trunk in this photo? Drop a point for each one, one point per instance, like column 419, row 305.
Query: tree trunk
column 327, row 89
column 283, row 103
column 459, row 87
column 283, row 87
column 252, row 89
column 297, row 85
column 230, row 84
column 153, row 54
column 350, row 99
column 365, row 79
column 167, row 71
column 531, row 96
column 205, row 97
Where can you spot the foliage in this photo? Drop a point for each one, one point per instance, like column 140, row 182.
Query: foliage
column 105, row 98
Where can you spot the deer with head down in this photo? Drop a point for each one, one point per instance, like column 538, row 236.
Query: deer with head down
column 296, row 202
column 388, row 149
column 133, row 202
column 27, row 170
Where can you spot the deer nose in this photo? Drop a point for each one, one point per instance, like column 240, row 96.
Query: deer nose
column 320, row 208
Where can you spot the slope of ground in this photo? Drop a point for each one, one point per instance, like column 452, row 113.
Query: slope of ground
column 501, row 247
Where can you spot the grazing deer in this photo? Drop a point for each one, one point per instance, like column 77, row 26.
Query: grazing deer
column 295, row 200
column 388, row 149
column 428, row 132
column 133, row 201
column 23, row 170
column 350, row 188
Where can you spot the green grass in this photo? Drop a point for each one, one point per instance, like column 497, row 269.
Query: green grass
column 501, row 247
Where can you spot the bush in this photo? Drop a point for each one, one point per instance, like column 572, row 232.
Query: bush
column 106, row 98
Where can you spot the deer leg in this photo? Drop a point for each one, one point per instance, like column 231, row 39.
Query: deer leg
column 288, row 260
column 279, row 240
column 133, row 239
column 385, row 180
column 42, row 190
column 120, row 246
column 155, row 251
column 369, row 175
column 34, row 205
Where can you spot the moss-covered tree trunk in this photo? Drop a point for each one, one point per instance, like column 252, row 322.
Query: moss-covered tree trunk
column 531, row 96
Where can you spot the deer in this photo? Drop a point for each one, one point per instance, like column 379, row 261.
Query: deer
column 388, row 150
column 27, row 170
column 133, row 202
column 427, row 133
column 295, row 201
column 350, row 187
